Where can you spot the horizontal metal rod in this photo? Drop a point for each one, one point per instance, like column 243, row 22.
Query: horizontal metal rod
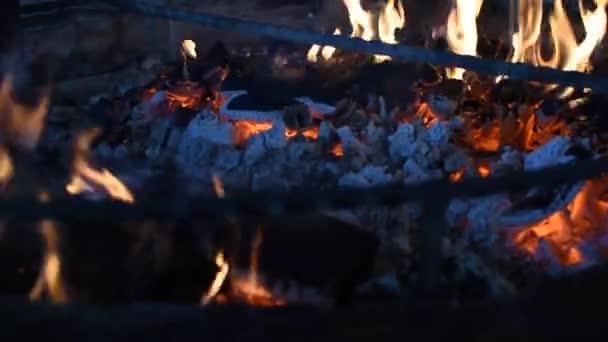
column 297, row 200
column 398, row 52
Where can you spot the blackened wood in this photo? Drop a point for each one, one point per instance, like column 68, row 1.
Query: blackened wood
column 297, row 200
column 558, row 310
column 400, row 52
column 312, row 250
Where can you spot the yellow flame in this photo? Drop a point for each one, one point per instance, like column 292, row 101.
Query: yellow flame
column 462, row 31
column 189, row 48
column 49, row 280
column 368, row 25
column 218, row 186
column 86, row 179
column 567, row 54
column 6, row 166
column 21, row 124
column 219, row 279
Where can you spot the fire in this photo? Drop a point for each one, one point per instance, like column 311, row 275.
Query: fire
column 567, row 53
column 85, row 179
column 218, row 186
column 462, row 31
column 484, row 170
column 249, row 289
column 368, row 25
column 219, row 279
column 49, row 280
column 565, row 230
column 457, row 176
column 6, row 166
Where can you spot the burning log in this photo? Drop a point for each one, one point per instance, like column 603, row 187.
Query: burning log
column 421, row 55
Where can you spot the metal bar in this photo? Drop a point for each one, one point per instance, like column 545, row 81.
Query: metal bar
column 399, row 52
column 297, row 200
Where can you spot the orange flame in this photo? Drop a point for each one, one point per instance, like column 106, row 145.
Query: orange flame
column 219, row 279
column 567, row 53
column 462, row 31
column 249, row 289
column 368, row 25
column 86, row 179
column 565, row 229
column 49, row 280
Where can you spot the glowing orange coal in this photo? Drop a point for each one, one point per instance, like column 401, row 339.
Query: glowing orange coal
column 565, row 230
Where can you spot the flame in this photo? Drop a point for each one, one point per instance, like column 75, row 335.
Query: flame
column 483, row 170
column 189, row 48
column 249, row 288
column 218, row 186
column 457, row 176
column 219, row 279
column 565, row 230
column 49, row 280
column 567, row 53
column 87, row 180
column 21, row 124
column 462, row 31
column 368, row 25
column 6, row 166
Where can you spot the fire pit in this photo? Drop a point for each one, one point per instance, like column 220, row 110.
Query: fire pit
column 338, row 173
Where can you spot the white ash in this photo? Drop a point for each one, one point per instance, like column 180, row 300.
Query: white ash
column 402, row 142
column 195, row 154
column 439, row 134
column 483, row 214
column 509, row 159
column 148, row 111
column 207, row 125
column 350, row 143
column 297, row 151
column 326, row 130
column 157, row 138
column 256, row 149
column 317, row 110
column 550, row 154
column 228, row 158
column 367, row 177
column 259, row 144
column 414, row 172
column 375, row 136
column 456, row 160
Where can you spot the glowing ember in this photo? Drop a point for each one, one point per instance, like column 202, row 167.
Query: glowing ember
column 462, row 31
column 565, row 230
column 218, row 281
column 483, row 170
column 88, row 180
column 218, row 186
column 368, row 25
column 249, row 289
column 457, row 176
